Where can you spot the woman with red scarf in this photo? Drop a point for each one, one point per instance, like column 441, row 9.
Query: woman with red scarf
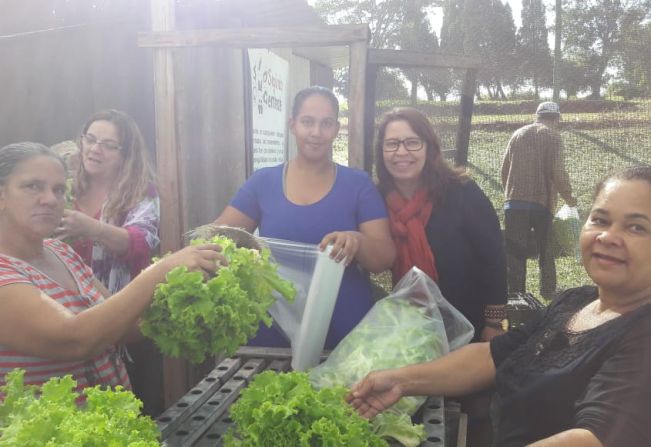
column 442, row 223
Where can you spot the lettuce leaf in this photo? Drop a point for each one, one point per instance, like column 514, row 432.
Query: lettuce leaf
column 33, row 416
column 284, row 409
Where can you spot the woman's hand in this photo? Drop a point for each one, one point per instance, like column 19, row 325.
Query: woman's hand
column 345, row 245
column 76, row 224
column 204, row 258
column 375, row 393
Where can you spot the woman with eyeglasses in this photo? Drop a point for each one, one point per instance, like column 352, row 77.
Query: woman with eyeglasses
column 312, row 199
column 56, row 318
column 442, row 223
column 115, row 218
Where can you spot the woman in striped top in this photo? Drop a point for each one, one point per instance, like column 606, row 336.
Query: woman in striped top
column 55, row 317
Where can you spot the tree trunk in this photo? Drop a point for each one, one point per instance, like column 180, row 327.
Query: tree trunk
column 443, row 97
column 414, row 92
column 500, row 91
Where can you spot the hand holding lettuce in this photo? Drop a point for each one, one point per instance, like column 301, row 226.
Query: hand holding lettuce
column 193, row 318
column 414, row 324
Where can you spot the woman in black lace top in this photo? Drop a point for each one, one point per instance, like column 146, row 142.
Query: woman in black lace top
column 581, row 374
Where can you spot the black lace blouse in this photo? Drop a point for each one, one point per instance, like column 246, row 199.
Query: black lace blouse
column 550, row 379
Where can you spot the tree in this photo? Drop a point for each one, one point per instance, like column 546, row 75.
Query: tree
column 385, row 18
column 534, row 56
column 417, row 35
column 635, row 58
column 572, row 77
column 393, row 23
column 451, row 42
column 593, row 32
column 489, row 33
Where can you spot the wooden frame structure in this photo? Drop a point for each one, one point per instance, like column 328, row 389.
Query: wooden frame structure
column 379, row 58
column 163, row 40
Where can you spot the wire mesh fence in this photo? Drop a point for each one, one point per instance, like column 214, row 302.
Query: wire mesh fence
column 599, row 137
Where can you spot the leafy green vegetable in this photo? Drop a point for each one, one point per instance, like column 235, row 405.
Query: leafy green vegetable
column 193, row 318
column 48, row 416
column 285, row 410
column 393, row 334
column 398, row 427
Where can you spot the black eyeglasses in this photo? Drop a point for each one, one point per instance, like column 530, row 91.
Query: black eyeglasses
column 411, row 144
column 89, row 140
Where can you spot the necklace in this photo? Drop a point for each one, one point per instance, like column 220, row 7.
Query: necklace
column 590, row 317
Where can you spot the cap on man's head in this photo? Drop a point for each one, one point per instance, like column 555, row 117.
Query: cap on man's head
column 548, row 108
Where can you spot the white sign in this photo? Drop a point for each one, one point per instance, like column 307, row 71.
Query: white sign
column 269, row 74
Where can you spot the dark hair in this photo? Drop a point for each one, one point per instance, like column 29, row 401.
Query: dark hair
column 638, row 172
column 14, row 154
column 437, row 173
column 136, row 176
column 302, row 95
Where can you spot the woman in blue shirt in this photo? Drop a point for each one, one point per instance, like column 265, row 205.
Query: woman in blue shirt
column 311, row 199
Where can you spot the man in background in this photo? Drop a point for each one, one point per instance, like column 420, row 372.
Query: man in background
column 533, row 174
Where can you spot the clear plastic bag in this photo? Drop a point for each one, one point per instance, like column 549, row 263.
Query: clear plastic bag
column 413, row 324
column 566, row 229
column 317, row 279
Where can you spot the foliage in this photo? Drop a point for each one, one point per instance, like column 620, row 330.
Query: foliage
column 534, row 57
column 489, row 33
column 393, row 334
column 48, row 416
column 635, row 59
column 389, row 85
column 285, row 410
column 594, row 31
column 192, row 318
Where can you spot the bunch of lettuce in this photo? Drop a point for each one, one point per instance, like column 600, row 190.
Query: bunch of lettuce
column 48, row 416
column 285, row 410
column 394, row 333
column 193, row 318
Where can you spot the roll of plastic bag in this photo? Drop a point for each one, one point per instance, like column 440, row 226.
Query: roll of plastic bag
column 317, row 279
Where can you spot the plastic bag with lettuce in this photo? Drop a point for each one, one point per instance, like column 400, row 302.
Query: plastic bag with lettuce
column 411, row 325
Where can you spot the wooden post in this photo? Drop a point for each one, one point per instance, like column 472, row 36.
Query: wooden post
column 169, row 170
column 369, row 117
column 465, row 117
column 356, row 92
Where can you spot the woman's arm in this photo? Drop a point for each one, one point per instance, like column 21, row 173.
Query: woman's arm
column 461, row 372
column 133, row 333
column 233, row 217
column 576, row 437
column 34, row 324
column 371, row 246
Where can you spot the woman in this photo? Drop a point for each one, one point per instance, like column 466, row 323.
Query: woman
column 54, row 319
column 441, row 222
column 581, row 375
column 114, row 224
column 311, row 199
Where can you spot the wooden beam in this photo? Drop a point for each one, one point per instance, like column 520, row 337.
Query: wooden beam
column 369, row 117
column 465, row 117
column 169, row 171
column 356, row 93
column 289, row 37
column 417, row 59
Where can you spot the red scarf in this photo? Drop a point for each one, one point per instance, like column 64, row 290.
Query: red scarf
column 407, row 220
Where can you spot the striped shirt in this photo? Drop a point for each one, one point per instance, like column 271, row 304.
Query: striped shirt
column 106, row 368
